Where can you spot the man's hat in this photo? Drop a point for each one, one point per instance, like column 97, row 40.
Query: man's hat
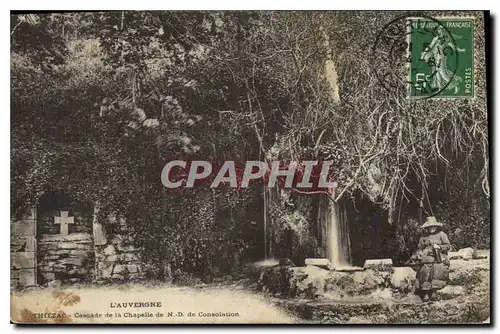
column 431, row 222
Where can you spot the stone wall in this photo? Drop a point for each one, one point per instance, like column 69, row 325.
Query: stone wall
column 118, row 259
column 91, row 251
column 22, row 250
column 69, row 259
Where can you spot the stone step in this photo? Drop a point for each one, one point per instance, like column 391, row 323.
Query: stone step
column 321, row 263
column 379, row 264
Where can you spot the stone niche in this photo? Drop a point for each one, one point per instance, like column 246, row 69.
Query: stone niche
column 53, row 205
column 61, row 241
column 65, row 249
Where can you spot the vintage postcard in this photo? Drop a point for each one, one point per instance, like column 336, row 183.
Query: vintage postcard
column 250, row 167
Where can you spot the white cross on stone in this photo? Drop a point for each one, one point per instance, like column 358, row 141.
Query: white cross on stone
column 64, row 220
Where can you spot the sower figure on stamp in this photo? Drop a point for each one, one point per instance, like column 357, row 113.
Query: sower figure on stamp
column 432, row 256
column 435, row 55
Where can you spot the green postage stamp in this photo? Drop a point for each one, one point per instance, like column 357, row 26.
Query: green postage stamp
column 441, row 57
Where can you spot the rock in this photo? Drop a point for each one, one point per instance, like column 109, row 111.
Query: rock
column 464, row 253
column 356, row 283
column 119, row 268
column 86, row 243
column 61, row 252
column 48, row 246
column 22, row 227
column 112, row 258
column 109, row 250
column 71, row 245
column 132, row 268
column 117, row 276
column 14, row 283
column 476, row 264
column 30, row 243
column 76, row 271
column 275, row 279
column 320, row 263
column 59, row 267
column 127, row 248
column 54, row 284
column 78, row 237
column 307, row 282
column 76, row 261
column 106, row 272
column 311, row 282
column 99, row 233
column 134, row 276
column 49, row 276
column 403, row 279
column 379, row 264
column 46, row 268
column 482, row 254
column 14, row 274
column 26, row 277
column 78, row 253
column 47, row 238
column 451, row 291
column 127, row 257
column 469, row 273
column 22, row 260
column 381, row 294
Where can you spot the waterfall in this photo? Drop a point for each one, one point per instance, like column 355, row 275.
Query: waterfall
column 334, row 232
